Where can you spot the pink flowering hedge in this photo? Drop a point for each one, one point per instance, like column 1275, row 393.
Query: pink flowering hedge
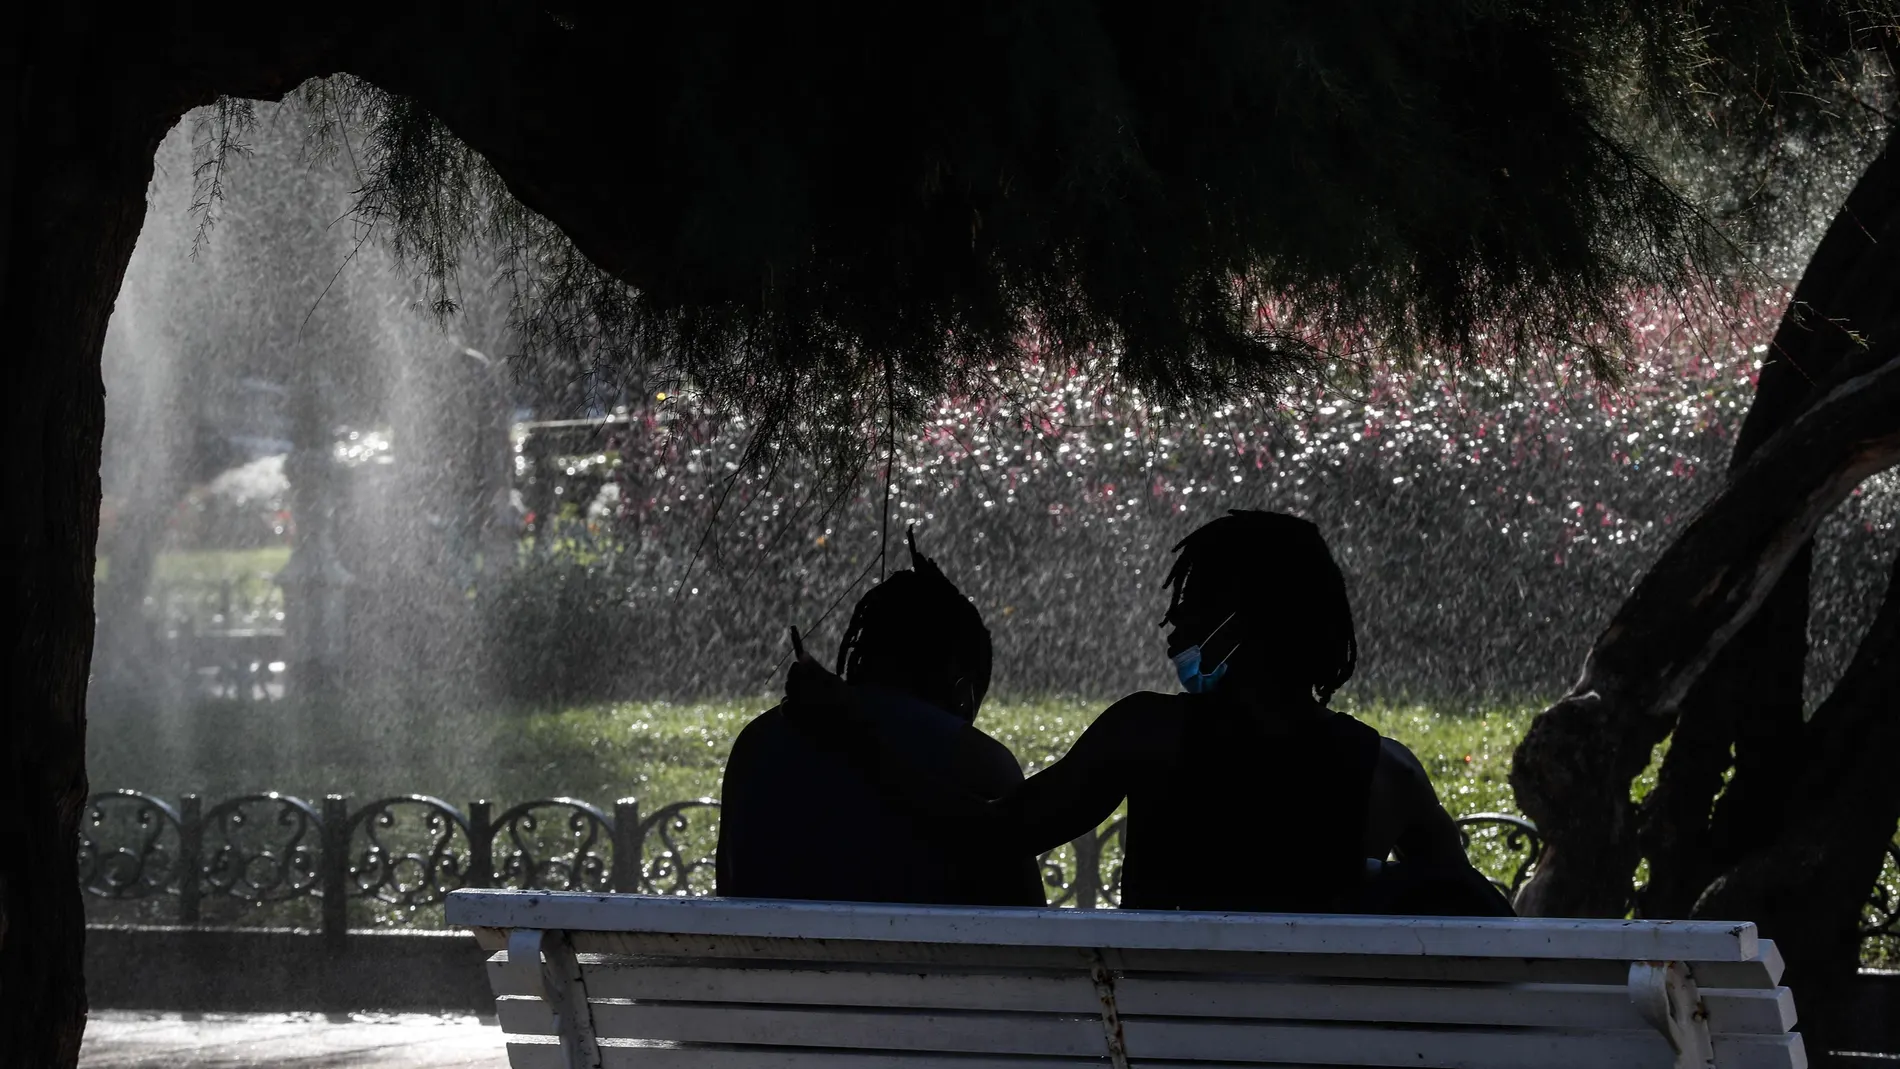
column 1487, row 520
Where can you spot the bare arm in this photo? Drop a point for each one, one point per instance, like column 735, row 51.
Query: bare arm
column 1405, row 817
column 1077, row 793
column 1052, row 807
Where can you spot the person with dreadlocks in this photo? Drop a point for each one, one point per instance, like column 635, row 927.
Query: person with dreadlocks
column 1302, row 806
column 803, row 817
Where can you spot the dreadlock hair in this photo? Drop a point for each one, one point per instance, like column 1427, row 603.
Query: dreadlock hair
column 917, row 632
column 1275, row 574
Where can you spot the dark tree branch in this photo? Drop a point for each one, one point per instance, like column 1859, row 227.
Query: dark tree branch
column 1806, row 886
column 1745, row 713
column 1573, row 770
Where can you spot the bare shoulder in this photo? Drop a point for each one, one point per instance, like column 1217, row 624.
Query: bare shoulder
column 760, row 729
column 1141, row 707
column 1405, row 814
column 1397, row 754
column 996, row 761
column 1401, row 768
column 1143, row 729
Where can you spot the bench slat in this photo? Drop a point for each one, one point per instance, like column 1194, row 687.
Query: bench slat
column 1179, row 1040
column 1258, row 932
column 523, row 1056
column 548, row 1056
column 522, row 1015
column 1072, row 993
column 1551, row 1005
column 1148, row 1039
column 969, row 1033
column 1744, row 1012
column 1762, row 971
column 926, row 955
column 1521, row 1005
column 1564, row 1006
column 1760, row 1052
column 1531, row 1005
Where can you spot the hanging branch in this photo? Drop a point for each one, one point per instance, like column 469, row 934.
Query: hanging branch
column 890, row 458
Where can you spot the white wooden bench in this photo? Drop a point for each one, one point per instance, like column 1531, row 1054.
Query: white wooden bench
column 619, row 980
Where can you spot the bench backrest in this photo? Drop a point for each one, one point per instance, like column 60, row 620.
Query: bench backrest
column 620, row 980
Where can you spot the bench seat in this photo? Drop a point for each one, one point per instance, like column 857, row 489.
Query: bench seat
column 586, row 980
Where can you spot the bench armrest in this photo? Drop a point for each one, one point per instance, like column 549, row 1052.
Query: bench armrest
column 1665, row 995
column 562, row 988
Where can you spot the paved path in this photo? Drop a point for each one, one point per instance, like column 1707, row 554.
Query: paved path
column 127, row 1039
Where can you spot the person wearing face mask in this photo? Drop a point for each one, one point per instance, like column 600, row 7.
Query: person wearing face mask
column 802, row 817
column 1245, row 792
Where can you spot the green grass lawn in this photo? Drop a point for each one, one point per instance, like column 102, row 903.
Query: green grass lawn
column 662, row 751
column 656, row 752
column 210, row 566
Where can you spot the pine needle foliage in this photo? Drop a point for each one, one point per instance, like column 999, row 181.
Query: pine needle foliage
column 832, row 213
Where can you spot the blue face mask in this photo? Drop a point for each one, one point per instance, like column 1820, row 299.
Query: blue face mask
column 1187, row 665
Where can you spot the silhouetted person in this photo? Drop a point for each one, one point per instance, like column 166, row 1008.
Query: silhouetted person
column 1245, row 792
column 802, row 816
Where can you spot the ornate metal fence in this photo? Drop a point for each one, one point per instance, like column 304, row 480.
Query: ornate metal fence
column 275, row 859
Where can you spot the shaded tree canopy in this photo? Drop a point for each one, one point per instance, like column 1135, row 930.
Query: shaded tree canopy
column 804, row 210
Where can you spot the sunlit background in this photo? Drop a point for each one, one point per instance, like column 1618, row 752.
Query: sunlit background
column 347, row 548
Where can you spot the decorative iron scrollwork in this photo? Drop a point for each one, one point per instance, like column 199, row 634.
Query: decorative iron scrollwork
column 129, row 846
column 261, row 848
column 1056, row 866
column 408, row 851
column 568, row 849
column 1111, row 844
column 677, row 858
column 1097, row 862
column 1504, row 838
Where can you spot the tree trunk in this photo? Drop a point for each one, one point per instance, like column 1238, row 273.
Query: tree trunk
column 1745, row 713
column 73, row 214
column 1806, row 887
column 1573, row 769
column 86, row 93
